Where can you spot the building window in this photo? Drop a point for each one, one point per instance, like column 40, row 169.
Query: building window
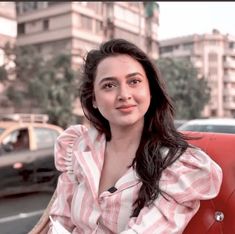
column 188, row 46
column 98, row 26
column 95, row 6
column 86, row 22
column 213, row 71
column 29, row 6
column 212, row 57
column 53, row 3
column 21, row 28
column 231, row 45
column 45, row 24
column 213, row 42
column 166, row 49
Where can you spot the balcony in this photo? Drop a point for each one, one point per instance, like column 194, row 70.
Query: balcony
column 229, row 105
column 230, row 52
column 229, row 64
column 229, row 77
column 44, row 36
column 229, row 91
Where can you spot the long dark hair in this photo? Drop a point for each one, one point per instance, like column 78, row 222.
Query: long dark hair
column 159, row 131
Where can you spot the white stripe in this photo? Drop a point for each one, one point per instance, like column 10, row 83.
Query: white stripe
column 92, row 169
column 21, row 216
column 77, row 199
column 127, row 198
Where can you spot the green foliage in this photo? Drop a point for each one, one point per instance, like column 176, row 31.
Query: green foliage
column 17, row 97
column 49, row 86
column 149, row 7
column 3, row 74
column 189, row 93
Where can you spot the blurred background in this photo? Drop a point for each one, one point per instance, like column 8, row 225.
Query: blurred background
column 42, row 46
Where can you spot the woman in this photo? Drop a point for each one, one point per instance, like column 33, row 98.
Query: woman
column 131, row 171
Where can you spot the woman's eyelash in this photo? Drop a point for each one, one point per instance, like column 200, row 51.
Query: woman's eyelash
column 112, row 84
column 135, row 81
column 108, row 85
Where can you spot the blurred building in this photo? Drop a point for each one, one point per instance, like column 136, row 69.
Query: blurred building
column 7, row 26
column 213, row 54
column 8, row 31
column 77, row 27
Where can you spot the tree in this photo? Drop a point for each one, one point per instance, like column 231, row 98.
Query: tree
column 47, row 86
column 189, row 93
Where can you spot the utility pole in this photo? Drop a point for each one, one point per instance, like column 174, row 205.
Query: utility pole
column 109, row 29
column 149, row 8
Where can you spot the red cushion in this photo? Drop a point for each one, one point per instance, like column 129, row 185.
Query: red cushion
column 221, row 148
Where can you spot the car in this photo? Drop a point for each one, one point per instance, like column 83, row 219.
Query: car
column 219, row 125
column 179, row 122
column 27, row 153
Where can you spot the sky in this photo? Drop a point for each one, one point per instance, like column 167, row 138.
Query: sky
column 185, row 18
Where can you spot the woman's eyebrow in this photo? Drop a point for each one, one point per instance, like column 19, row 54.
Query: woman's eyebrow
column 113, row 78
column 105, row 79
column 134, row 74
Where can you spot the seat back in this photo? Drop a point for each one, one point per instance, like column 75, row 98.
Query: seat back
column 217, row 216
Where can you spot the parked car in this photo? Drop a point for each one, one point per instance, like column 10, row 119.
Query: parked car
column 179, row 122
column 26, row 153
column 220, row 125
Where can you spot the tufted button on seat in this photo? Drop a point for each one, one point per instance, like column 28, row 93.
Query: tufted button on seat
column 219, row 216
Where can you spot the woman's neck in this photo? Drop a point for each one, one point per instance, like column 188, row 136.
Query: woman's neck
column 126, row 137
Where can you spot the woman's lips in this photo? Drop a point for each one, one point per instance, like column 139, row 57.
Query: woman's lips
column 126, row 108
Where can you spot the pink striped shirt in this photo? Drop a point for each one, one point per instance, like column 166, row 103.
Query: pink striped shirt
column 79, row 155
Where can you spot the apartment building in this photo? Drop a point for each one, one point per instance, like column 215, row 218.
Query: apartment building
column 77, row 27
column 8, row 31
column 213, row 54
column 7, row 26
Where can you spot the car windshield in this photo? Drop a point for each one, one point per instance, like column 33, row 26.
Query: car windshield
column 209, row 128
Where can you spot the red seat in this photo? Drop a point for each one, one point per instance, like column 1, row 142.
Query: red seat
column 217, row 216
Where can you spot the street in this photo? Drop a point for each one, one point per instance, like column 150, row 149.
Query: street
column 18, row 214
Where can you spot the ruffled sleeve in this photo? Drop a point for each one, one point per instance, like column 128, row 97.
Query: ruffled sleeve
column 193, row 177
column 63, row 153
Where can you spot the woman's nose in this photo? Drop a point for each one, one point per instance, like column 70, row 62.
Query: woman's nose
column 124, row 94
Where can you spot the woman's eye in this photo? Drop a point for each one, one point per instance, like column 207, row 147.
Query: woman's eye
column 108, row 86
column 135, row 81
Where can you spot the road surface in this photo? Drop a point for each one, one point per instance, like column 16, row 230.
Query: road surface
column 18, row 214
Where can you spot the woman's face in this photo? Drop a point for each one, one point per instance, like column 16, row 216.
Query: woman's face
column 121, row 91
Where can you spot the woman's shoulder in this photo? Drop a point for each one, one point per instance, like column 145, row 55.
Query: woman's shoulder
column 196, row 158
column 72, row 132
column 194, row 175
column 64, row 146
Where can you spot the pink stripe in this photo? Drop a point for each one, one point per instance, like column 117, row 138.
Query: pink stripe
column 116, row 210
column 85, row 210
column 90, row 178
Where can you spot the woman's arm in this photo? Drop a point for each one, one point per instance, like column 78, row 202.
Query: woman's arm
column 61, row 208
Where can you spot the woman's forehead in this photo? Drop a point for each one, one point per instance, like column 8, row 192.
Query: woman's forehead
column 118, row 64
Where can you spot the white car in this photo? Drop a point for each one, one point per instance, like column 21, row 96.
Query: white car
column 220, row 125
